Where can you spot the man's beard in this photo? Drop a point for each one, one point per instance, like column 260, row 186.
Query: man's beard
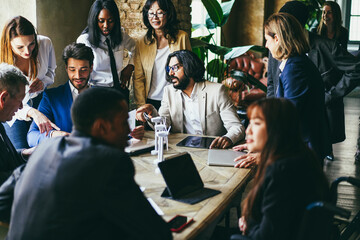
column 182, row 84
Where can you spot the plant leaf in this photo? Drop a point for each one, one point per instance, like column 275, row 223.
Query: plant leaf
column 197, row 42
column 226, row 9
column 238, row 51
column 216, row 68
column 200, row 52
column 214, row 10
column 220, row 50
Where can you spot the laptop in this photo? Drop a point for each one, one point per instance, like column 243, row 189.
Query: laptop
column 183, row 181
column 222, row 157
column 136, row 146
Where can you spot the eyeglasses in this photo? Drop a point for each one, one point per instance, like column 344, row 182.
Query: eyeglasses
column 158, row 14
column 174, row 68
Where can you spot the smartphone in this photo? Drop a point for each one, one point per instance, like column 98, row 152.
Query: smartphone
column 179, row 222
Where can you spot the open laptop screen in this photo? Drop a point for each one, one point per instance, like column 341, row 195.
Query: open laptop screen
column 180, row 175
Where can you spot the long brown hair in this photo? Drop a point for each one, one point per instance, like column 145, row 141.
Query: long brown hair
column 336, row 11
column 18, row 26
column 284, row 140
column 291, row 35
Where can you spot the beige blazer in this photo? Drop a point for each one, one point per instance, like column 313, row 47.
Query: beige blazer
column 144, row 62
column 217, row 112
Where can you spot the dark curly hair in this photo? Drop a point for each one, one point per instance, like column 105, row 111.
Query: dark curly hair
column 192, row 64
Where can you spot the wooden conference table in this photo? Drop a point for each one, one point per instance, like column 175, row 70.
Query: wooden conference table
column 228, row 180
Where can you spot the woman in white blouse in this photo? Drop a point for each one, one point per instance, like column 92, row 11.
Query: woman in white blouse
column 104, row 26
column 34, row 55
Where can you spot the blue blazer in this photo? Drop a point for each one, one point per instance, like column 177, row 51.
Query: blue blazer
column 301, row 83
column 55, row 105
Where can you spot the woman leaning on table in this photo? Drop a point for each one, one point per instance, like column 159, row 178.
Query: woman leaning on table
column 162, row 37
column 274, row 207
column 34, row 55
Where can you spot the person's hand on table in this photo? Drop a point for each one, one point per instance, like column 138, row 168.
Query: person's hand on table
column 57, row 133
column 221, row 142
column 44, row 124
column 36, row 85
column 138, row 132
column 247, row 160
column 146, row 108
column 240, row 147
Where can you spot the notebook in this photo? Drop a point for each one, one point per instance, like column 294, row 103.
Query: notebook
column 136, row 146
column 183, row 181
column 222, row 157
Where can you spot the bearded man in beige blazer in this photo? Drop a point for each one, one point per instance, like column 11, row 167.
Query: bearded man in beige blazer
column 195, row 106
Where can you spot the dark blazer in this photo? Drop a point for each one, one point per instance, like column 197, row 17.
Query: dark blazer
column 301, row 83
column 55, row 105
column 289, row 185
column 340, row 72
column 79, row 188
column 9, row 157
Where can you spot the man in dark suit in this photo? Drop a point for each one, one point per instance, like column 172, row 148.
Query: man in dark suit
column 12, row 92
column 339, row 70
column 82, row 186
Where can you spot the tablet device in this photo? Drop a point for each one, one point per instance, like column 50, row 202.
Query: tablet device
column 183, row 181
column 196, row 142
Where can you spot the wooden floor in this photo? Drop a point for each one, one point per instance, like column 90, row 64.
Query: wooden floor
column 348, row 195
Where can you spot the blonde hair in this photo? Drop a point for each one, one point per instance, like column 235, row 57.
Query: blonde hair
column 291, row 35
column 18, row 26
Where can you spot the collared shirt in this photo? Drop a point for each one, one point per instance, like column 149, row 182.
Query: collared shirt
column 74, row 91
column 281, row 67
column 192, row 123
column 101, row 75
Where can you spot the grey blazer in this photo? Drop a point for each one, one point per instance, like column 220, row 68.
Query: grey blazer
column 217, row 112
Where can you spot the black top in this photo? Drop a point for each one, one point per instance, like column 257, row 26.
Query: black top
column 289, row 186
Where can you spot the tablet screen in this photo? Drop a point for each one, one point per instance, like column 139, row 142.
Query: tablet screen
column 196, row 142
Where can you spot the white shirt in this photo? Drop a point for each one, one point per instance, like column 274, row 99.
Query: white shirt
column 192, row 123
column 74, row 91
column 46, row 65
column 101, row 74
column 158, row 80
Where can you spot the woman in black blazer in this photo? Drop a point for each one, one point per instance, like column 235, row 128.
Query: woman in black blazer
column 288, row 177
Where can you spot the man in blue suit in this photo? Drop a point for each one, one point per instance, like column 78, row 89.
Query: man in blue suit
column 56, row 103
